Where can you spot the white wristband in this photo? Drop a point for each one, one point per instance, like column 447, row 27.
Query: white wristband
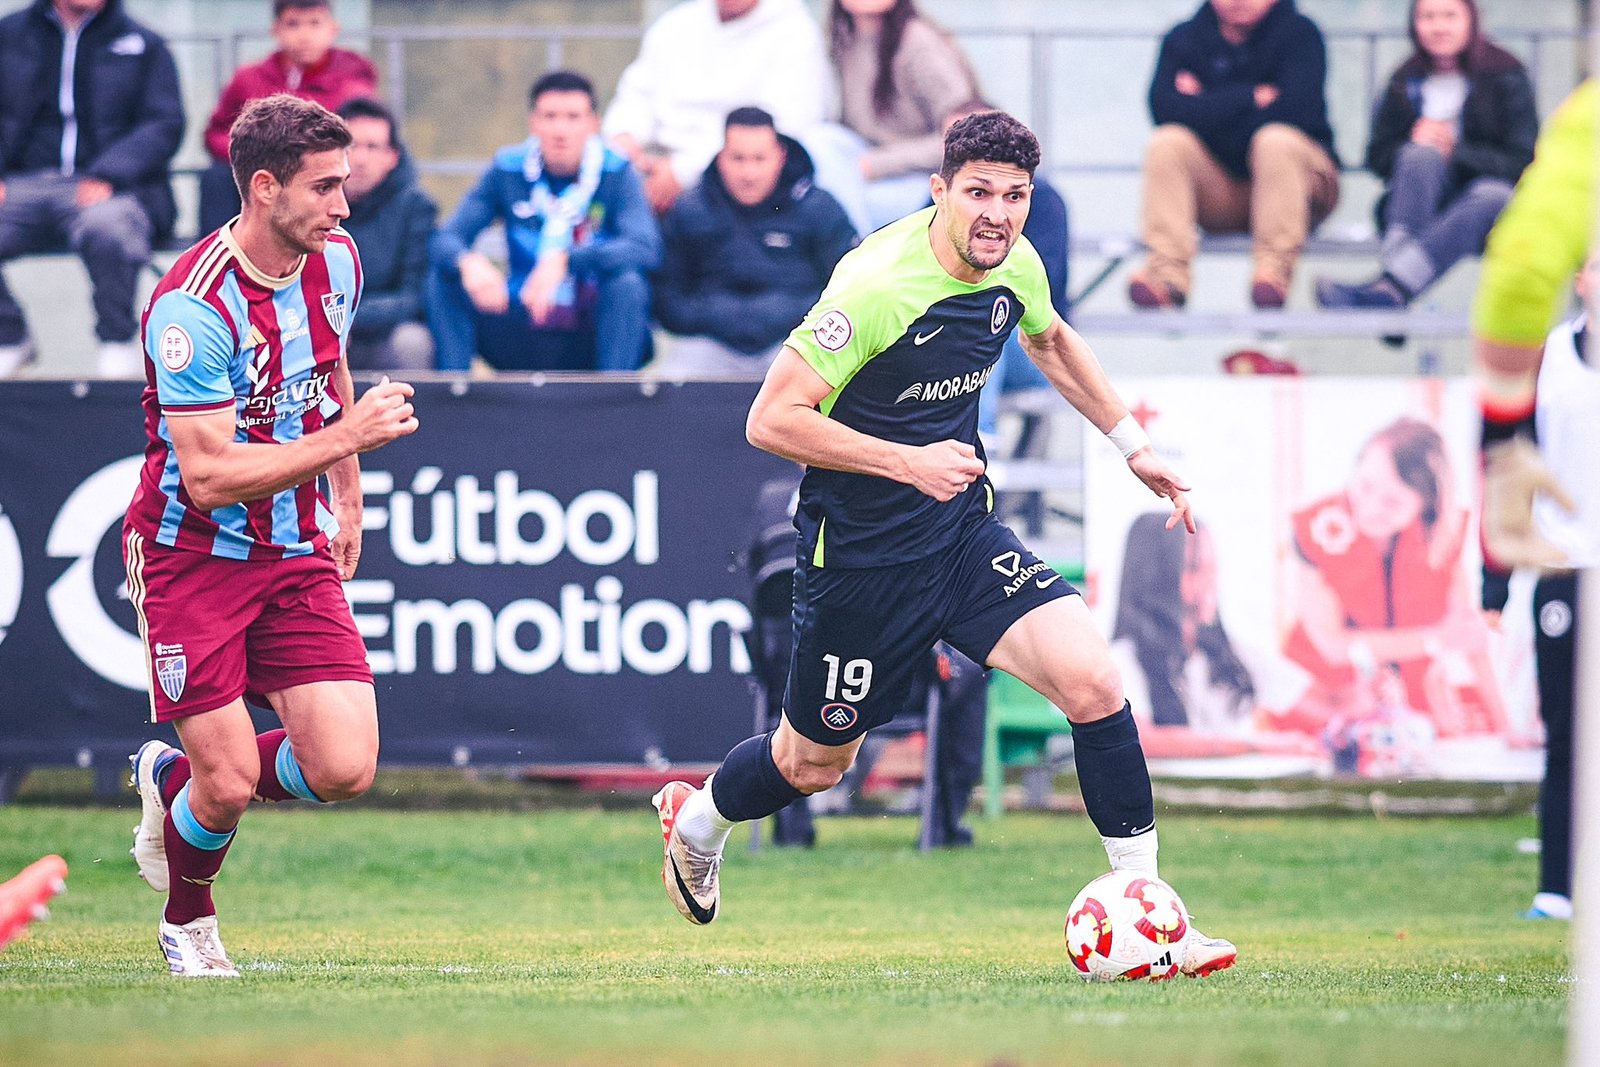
column 1128, row 436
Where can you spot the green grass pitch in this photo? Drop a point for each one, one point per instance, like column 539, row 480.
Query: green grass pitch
column 400, row 938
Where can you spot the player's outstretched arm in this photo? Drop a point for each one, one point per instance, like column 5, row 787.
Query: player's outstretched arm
column 784, row 420
column 219, row 471
column 1072, row 367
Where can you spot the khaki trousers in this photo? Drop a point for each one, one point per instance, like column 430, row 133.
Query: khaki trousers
column 1294, row 186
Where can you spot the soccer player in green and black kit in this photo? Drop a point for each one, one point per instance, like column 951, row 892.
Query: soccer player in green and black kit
column 876, row 392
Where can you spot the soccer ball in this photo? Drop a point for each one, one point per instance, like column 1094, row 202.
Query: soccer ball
column 1126, row 925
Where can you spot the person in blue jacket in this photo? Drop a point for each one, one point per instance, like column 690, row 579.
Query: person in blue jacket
column 747, row 252
column 581, row 241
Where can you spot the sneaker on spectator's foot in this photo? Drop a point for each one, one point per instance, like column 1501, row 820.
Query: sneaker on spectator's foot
column 1204, row 955
column 1376, row 296
column 1255, row 361
column 149, row 836
column 120, row 359
column 14, row 357
column 1145, row 293
column 1268, row 295
column 689, row 874
column 194, row 950
column 23, row 898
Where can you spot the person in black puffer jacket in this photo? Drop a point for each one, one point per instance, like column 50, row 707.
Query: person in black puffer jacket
column 747, row 252
column 391, row 218
column 93, row 175
column 1454, row 131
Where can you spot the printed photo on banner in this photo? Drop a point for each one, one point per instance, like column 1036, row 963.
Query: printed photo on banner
column 1326, row 615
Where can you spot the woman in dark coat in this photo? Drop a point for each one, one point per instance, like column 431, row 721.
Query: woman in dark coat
column 1452, row 134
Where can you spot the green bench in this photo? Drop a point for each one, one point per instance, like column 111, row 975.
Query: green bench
column 1019, row 726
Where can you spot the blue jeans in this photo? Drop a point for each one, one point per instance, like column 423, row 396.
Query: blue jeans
column 610, row 336
column 1431, row 220
column 836, row 152
column 40, row 214
column 1015, row 372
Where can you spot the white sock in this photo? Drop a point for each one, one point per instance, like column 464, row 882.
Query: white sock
column 700, row 824
column 1554, row 905
column 1133, row 853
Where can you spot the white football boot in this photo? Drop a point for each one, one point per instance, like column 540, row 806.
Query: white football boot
column 149, row 843
column 194, row 950
column 689, row 874
column 1204, row 955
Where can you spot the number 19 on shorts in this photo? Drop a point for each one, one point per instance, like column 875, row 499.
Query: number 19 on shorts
column 856, row 676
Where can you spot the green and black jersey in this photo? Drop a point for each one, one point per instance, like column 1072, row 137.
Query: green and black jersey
column 906, row 348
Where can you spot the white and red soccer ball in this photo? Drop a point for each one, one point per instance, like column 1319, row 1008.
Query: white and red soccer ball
column 1126, row 925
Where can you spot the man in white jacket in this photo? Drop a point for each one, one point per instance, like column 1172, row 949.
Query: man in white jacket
column 701, row 60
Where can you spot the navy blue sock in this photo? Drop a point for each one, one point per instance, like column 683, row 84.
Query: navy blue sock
column 1112, row 774
column 749, row 785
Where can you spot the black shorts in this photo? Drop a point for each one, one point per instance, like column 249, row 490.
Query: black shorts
column 860, row 634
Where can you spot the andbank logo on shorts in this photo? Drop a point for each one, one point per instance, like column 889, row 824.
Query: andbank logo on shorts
column 1009, row 564
column 947, row 388
column 839, row 716
column 172, row 669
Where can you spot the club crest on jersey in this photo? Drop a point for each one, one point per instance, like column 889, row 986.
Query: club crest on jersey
column 335, row 307
column 839, row 716
column 172, row 670
column 1000, row 315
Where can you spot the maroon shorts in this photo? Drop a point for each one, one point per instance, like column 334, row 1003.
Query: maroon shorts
column 215, row 628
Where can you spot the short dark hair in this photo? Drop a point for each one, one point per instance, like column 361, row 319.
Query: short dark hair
column 365, row 107
column 276, row 133
column 563, row 81
column 750, row 116
column 280, row 6
column 989, row 137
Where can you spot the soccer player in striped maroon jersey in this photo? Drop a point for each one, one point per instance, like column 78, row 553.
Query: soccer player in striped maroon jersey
column 234, row 554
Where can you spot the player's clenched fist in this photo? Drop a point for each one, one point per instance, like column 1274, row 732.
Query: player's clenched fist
column 383, row 413
column 943, row 469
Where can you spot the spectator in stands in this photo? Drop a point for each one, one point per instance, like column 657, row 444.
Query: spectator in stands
column 900, row 77
column 305, row 64
column 580, row 241
column 1453, row 133
column 699, row 61
column 746, row 252
column 391, row 219
column 90, row 118
column 1242, row 143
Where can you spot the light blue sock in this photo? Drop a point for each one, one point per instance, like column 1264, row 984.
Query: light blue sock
column 290, row 776
column 189, row 827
